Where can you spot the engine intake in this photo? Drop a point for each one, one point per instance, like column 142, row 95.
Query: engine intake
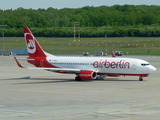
column 92, row 75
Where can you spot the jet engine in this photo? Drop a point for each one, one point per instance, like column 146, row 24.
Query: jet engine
column 89, row 74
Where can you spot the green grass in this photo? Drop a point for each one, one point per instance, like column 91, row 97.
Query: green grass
column 129, row 45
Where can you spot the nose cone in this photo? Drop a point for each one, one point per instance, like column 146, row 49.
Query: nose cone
column 151, row 69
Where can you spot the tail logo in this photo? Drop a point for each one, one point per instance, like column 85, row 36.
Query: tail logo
column 30, row 43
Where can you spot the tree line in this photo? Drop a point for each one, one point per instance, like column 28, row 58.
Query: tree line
column 122, row 20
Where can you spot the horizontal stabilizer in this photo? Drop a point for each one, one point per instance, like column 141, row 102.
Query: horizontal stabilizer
column 26, row 59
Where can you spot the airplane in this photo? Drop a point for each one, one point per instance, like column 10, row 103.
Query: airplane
column 83, row 67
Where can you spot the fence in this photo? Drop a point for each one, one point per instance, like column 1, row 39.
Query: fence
column 19, row 51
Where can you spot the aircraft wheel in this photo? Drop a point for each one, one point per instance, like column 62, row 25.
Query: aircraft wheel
column 77, row 78
column 140, row 79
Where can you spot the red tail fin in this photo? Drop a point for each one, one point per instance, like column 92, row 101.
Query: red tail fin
column 33, row 47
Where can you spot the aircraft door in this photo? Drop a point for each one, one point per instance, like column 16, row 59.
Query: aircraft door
column 134, row 65
column 42, row 63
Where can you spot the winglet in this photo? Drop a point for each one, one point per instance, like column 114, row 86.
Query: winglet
column 18, row 63
column 113, row 54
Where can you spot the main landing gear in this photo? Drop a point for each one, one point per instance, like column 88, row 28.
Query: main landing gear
column 140, row 79
column 77, row 78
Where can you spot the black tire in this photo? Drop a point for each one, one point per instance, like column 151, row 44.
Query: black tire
column 140, row 79
column 77, row 78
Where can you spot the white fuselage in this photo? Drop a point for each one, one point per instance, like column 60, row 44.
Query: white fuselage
column 103, row 65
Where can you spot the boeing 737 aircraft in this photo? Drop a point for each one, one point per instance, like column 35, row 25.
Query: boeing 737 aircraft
column 83, row 67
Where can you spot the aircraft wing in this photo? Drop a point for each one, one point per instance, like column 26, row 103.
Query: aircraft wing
column 69, row 70
column 56, row 69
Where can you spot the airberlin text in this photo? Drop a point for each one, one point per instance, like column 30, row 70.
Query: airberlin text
column 122, row 64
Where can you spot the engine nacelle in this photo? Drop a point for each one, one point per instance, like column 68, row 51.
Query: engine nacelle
column 88, row 75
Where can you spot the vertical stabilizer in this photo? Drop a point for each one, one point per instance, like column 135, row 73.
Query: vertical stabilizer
column 33, row 47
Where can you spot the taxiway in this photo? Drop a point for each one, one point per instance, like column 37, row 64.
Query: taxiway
column 42, row 95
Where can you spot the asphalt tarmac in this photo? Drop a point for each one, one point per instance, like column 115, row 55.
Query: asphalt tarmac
column 42, row 95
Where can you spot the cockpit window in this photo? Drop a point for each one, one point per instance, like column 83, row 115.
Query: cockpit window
column 144, row 64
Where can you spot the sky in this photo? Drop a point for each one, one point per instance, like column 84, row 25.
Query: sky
column 59, row 4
